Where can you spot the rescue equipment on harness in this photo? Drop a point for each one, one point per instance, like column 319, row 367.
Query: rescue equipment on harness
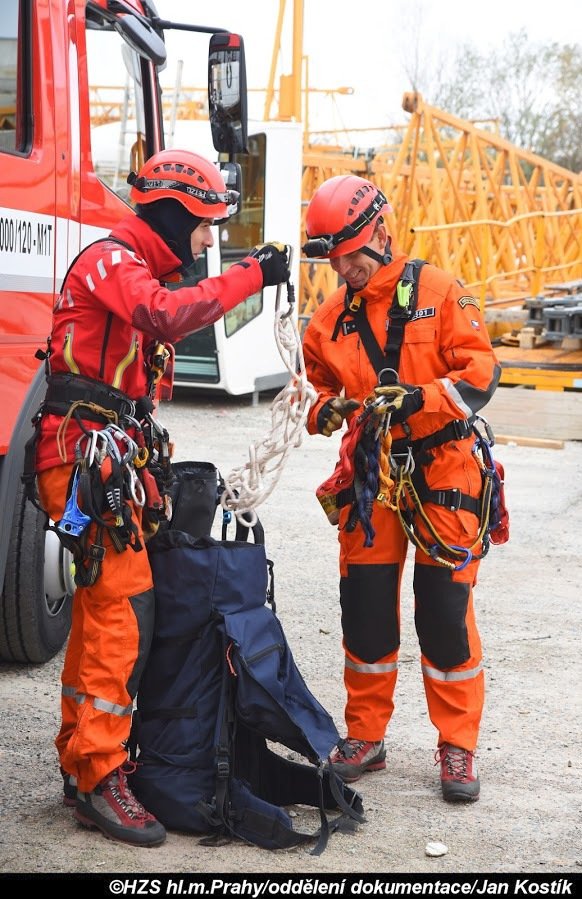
column 219, row 683
column 126, row 459
column 250, row 484
column 373, row 468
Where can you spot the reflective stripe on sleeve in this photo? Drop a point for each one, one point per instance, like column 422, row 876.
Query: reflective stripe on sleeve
column 102, row 705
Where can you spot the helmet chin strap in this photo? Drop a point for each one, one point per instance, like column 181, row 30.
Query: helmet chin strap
column 383, row 259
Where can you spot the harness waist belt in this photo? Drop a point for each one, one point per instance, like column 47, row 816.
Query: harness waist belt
column 455, row 430
column 452, row 498
column 65, row 389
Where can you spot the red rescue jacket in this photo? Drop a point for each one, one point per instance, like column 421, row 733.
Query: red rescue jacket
column 112, row 306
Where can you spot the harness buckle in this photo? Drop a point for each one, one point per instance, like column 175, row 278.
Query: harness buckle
column 462, row 428
column 96, row 552
column 450, row 499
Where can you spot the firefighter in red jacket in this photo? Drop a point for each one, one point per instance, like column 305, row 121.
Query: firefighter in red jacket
column 111, row 325
column 446, row 372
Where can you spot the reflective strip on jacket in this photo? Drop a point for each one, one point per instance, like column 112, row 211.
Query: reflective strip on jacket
column 112, row 305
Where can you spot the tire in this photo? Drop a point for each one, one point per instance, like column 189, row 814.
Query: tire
column 35, row 608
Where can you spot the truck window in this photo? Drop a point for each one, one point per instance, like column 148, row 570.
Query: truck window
column 116, row 99
column 247, row 228
column 15, row 99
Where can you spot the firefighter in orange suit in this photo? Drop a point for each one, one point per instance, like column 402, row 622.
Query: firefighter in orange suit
column 113, row 308
column 447, row 372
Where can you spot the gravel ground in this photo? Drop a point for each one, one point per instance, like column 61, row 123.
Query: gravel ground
column 528, row 608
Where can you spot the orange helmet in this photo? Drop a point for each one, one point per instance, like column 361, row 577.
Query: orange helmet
column 341, row 216
column 186, row 177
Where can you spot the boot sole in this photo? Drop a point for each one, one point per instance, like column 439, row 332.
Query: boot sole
column 460, row 797
column 347, row 779
column 93, row 825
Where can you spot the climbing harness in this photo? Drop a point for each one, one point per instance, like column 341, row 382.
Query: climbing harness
column 125, row 461
column 113, row 470
column 249, row 485
column 389, row 472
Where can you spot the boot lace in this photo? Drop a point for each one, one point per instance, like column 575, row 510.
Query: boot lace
column 454, row 758
column 350, row 748
column 117, row 784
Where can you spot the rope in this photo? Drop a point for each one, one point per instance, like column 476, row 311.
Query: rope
column 406, row 499
column 251, row 484
column 385, row 479
column 367, row 467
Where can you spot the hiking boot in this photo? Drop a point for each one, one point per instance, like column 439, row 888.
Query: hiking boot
column 459, row 777
column 352, row 758
column 69, row 789
column 113, row 809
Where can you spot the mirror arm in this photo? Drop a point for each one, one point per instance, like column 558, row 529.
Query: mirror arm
column 166, row 25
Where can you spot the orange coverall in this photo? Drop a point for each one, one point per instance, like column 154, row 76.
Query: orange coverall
column 447, row 352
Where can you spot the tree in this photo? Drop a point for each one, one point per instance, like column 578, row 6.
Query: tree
column 534, row 90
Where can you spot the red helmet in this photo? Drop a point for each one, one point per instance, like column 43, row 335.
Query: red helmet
column 186, row 177
column 341, row 216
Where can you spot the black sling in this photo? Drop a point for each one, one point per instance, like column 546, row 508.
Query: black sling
column 404, row 303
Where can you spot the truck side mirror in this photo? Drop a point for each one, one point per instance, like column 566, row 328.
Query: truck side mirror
column 142, row 38
column 227, row 93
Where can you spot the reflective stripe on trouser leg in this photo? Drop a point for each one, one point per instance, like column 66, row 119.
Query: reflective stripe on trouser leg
column 109, row 642
column 451, row 652
column 370, row 688
column 369, row 591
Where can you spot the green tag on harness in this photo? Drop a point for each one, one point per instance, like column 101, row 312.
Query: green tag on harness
column 404, row 291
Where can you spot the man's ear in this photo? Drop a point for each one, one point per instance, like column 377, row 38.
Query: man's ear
column 381, row 235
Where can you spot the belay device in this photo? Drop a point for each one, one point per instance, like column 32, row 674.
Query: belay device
column 219, row 683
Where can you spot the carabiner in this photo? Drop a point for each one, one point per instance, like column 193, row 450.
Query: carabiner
column 466, row 561
column 135, row 486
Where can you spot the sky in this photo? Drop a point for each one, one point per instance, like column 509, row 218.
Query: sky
column 369, row 53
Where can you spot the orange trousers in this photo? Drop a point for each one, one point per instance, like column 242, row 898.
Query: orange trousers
column 111, row 633
column 370, row 584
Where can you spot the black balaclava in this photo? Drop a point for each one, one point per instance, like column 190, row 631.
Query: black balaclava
column 173, row 223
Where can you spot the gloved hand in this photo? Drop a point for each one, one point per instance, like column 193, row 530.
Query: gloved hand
column 331, row 415
column 272, row 257
column 403, row 400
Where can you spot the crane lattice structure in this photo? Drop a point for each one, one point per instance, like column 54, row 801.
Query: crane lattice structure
column 508, row 223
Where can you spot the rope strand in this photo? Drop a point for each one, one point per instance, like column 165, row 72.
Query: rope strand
column 251, row 484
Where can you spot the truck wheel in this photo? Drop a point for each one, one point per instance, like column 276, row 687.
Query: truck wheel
column 35, row 608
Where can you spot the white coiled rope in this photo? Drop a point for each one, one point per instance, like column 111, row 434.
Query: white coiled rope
column 250, row 485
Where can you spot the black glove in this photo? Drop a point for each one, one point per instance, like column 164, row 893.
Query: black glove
column 407, row 404
column 331, row 415
column 272, row 257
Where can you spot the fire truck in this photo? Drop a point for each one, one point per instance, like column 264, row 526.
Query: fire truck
column 63, row 184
